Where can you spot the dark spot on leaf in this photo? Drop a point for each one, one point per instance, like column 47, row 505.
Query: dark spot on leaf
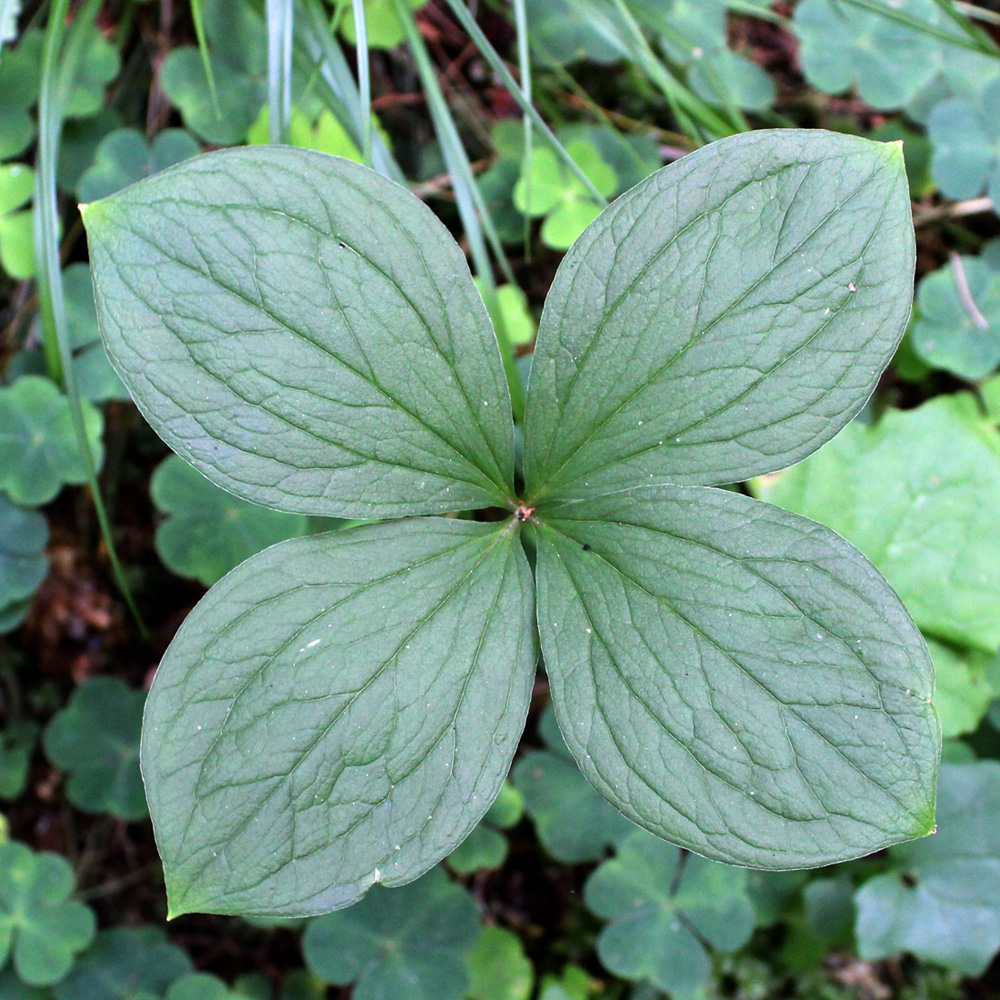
column 586, row 547
column 910, row 881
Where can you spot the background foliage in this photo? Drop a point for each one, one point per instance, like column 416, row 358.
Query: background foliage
column 554, row 896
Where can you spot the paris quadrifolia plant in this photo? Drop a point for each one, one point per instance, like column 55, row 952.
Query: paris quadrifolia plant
column 341, row 709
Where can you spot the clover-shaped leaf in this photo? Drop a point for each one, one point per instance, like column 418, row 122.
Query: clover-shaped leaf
column 342, row 709
column 201, row 986
column 966, row 139
column 95, row 740
column 547, row 188
column 382, row 24
column 939, row 901
column 843, row 45
column 126, row 156
column 238, row 59
column 130, row 963
column 693, row 33
column 934, row 539
column 486, row 847
column 208, row 531
column 40, row 928
column 325, row 134
column 38, row 449
column 499, row 968
column 564, row 31
column 664, row 908
column 23, row 537
column 414, row 942
column 573, row 822
column 17, row 742
column 20, row 70
column 96, row 67
column 958, row 318
column 16, row 240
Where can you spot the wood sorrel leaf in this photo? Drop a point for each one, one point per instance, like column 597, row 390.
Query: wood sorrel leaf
column 305, row 333
column 339, row 710
column 736, row 679
column 724, row 318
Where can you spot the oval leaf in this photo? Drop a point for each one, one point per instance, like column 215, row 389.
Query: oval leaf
column 305, row 333
column 724, row 318
column 339, row 710
column 736, row 679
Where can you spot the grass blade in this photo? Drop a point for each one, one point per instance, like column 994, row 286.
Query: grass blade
column 364, row 80
column 58, row 69
column 491, row 55
column 199, row 33
column 318, row 50
column 279, row 68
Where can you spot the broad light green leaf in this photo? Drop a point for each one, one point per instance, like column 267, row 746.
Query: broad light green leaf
column 95, row 740
column 16, row 239
column 941, row 900
column 208, row 532
column 919, row 494
column 39, row 927
column 305, row 333
column 656, row 930
column 340, row 710
column 725, row 317
column 962, row 692
column 413, row 943
column 735, row 679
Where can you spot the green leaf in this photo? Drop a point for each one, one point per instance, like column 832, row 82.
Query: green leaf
column 917, row 494
column 572, row 821
column 332, row 715
column 325, row 134
column 38, row 450
column 95, row 740
column 966, row 140
column 16, row 240
column 239, row 95
column 888, row 62
column 725, row 317
column 125, row 964
column 96, row 67
column 499, row 968
column 375, row 388
column 411, row 943
column 485, row 849
column 962, row 692
column 17, row 743
column 200, row 986
column 19, row 81
column 39, row 927
column 208, row 532
column 95, row 378
column 767, row 703
column 125, row 156
column 547, row 187
column 574, row 984
column 563, row 32
column 656, row 931
column 381, row 22
column 80, row 139
column 23, row 565
column 940, row 900
column 958, row 318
